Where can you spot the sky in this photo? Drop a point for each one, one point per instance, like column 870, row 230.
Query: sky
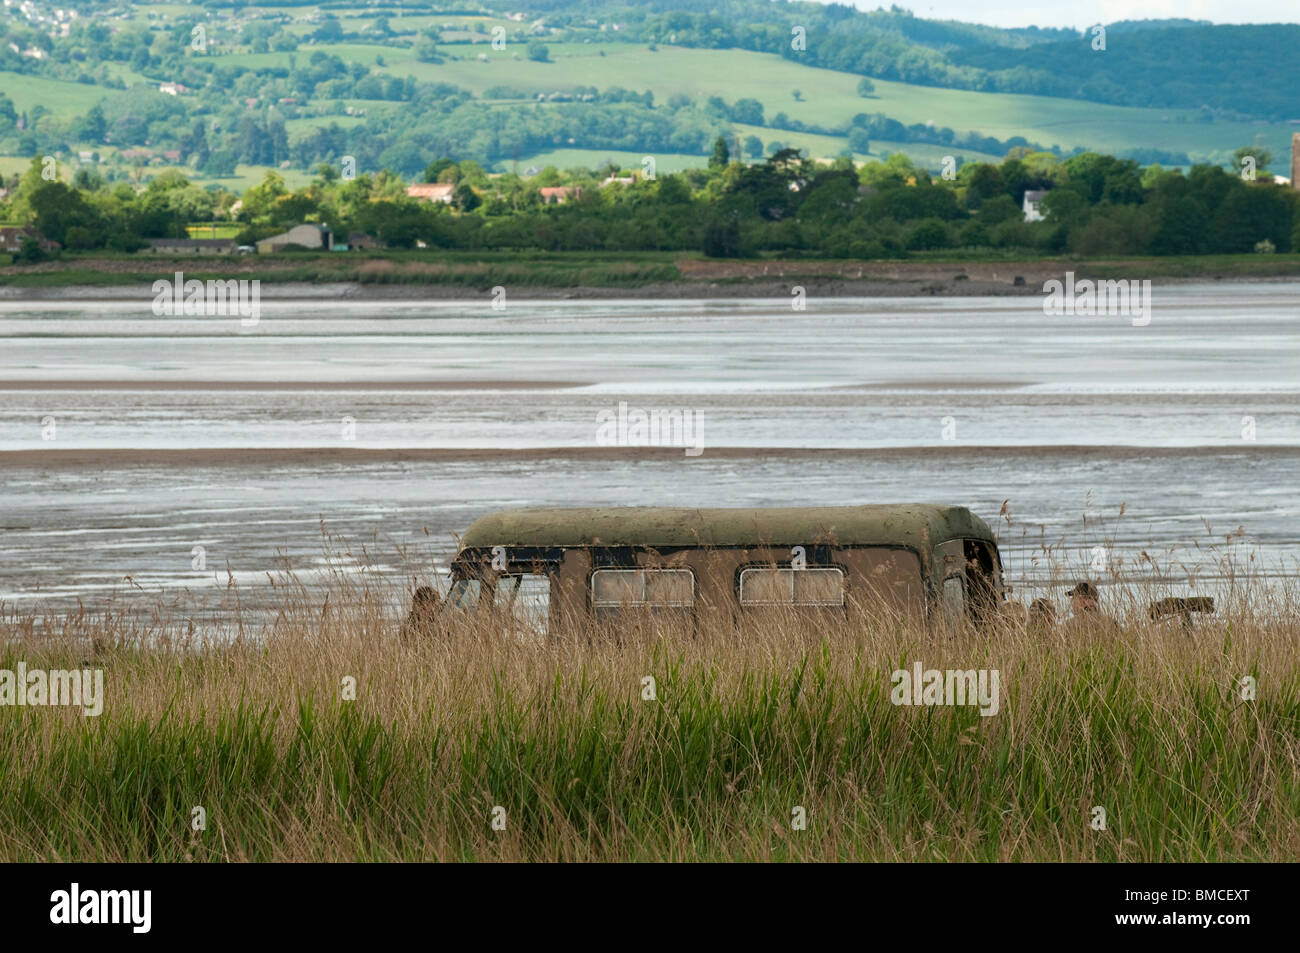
column 1009, row 13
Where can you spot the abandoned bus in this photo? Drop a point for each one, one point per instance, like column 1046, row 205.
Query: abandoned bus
column 546, row 566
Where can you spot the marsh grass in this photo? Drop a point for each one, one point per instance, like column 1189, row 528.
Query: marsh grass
column 750, row 721
column 467, row 270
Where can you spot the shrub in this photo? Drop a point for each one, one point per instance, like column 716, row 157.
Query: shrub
column 31, row 251
column 78, row 236
column 927, row 235
column 722, row 239
column 973, row 235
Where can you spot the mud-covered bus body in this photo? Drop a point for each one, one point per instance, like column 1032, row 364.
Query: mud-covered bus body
column 913, row 562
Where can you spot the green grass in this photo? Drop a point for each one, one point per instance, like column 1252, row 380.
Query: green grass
column 17, row 165
column 477, row 270
column 827, row 147
column 482, row 270
column 819, row 147
column 14, row 165
column 67, row 277
column 61, row 98
column 129, row 76
column 441, row 735
column 335, row 733
column 923, row 154
column 214, row 230
column 245, row 176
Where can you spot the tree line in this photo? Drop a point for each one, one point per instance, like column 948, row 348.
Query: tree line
column 786, row 204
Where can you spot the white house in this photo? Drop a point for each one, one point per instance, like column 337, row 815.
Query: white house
column 1033, row 202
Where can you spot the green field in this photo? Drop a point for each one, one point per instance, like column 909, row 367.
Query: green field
column 597, row 158
column 13, row 165
column 820, row 147
column 214, row 230
column 829, row 98
column 348, row 52
column 60, row 98
column 17, row 165
column 245, row 176
column 460, row 24
column 825, row 147
column 304, row 124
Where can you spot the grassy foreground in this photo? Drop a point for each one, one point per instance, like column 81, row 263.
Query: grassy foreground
column 746, row 726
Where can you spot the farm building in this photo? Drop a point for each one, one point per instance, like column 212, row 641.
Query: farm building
column 305, row 236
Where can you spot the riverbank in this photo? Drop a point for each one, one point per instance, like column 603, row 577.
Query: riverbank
column 407, row 275
column 183, row 457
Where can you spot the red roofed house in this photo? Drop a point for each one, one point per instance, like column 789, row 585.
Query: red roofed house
column 433, row 192
column 11, row 239
column 560, row 194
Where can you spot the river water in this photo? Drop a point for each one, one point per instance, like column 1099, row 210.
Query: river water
column 145, row 456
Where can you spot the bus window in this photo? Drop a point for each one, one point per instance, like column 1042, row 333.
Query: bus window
column 464, row 593
column 527, row 598
column 524, row 597
column 613, row 589
column 821, row 586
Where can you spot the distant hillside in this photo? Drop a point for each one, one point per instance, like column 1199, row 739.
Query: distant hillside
column 1241, row 71
column 1248, row 70
column 223, row 90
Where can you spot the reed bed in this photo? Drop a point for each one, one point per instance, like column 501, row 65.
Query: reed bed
column 559, row 742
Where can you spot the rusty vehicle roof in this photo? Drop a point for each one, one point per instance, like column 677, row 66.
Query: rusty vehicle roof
column 917, row 525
